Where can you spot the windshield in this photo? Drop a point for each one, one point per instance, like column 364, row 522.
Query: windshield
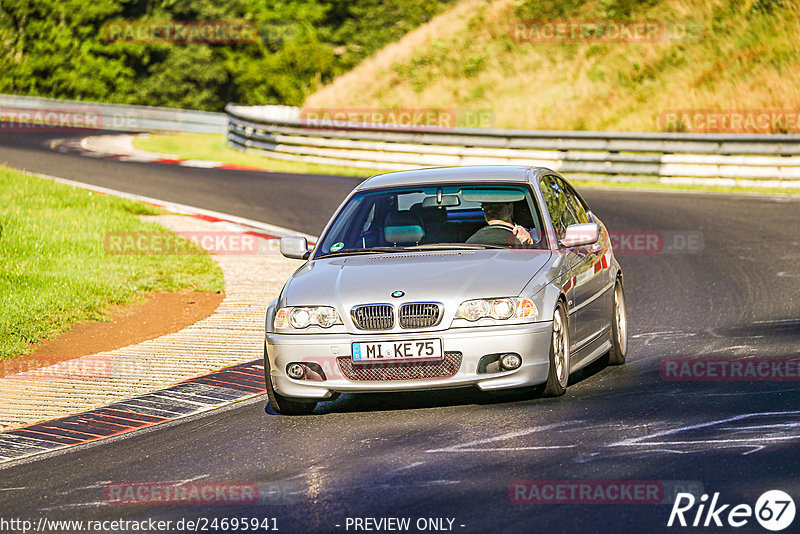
column 434, row 217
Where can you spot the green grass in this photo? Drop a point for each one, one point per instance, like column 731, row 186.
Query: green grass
column 214, row 147
column 54, row 270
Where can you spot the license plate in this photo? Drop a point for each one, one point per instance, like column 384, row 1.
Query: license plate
column 383, row 351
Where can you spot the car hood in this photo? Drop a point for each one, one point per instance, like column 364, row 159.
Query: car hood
column 440, row 276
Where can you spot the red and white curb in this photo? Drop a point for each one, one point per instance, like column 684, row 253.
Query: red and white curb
column 152, row 400
column 220, row 388
column 120, row 148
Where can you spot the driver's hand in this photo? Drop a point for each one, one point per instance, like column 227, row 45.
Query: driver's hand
column 522, row 235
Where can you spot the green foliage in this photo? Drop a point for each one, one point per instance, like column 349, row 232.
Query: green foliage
column 473, row 65
column 365, row 26
column 533, row 10
column 57, row 48
column 769, row 6
column 624, row 9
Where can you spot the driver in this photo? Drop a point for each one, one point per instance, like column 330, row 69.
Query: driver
column 500, row 230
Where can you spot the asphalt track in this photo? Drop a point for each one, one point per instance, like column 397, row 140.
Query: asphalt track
column 454, row 454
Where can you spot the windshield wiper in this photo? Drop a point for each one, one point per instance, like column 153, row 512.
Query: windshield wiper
column 372, row 250
column 429, row 246
column 445, row 246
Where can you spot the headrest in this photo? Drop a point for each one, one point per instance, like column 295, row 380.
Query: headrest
column 403, row 227
column 430, row 214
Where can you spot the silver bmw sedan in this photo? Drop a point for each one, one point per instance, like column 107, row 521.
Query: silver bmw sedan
column 494, row 277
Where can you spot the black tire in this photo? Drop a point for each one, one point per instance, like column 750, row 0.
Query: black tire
column 558, row 373
column 284, row 405
column 619, row 327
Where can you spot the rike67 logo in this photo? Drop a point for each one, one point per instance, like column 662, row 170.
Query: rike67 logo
column 774, row 510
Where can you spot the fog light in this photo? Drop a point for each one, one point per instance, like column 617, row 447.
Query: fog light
column 295, row 371
column 510, row 361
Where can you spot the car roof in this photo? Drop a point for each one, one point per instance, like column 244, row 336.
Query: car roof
column 478, row 173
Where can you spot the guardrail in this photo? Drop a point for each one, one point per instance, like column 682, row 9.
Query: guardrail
column 54, row 114
column 715, row 159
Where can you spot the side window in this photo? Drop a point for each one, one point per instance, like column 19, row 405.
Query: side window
column 558, row 204
column 576, row 206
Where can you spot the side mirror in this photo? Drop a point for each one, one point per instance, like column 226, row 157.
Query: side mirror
column 295, row 247
column 578, row 235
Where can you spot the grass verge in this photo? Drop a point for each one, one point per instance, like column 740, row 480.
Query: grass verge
column 644, row 185
column 54, row 270
column 214, row 147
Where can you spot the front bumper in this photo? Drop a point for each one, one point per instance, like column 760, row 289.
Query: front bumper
column 530, row 341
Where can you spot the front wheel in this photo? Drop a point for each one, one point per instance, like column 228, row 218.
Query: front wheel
column 558, row 374
column 284, row 405
column 619, row 327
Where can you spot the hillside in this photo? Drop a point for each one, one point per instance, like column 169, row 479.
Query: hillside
column 492, row 54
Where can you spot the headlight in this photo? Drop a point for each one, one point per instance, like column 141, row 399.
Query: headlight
column 305, row 316
column 505, row 308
